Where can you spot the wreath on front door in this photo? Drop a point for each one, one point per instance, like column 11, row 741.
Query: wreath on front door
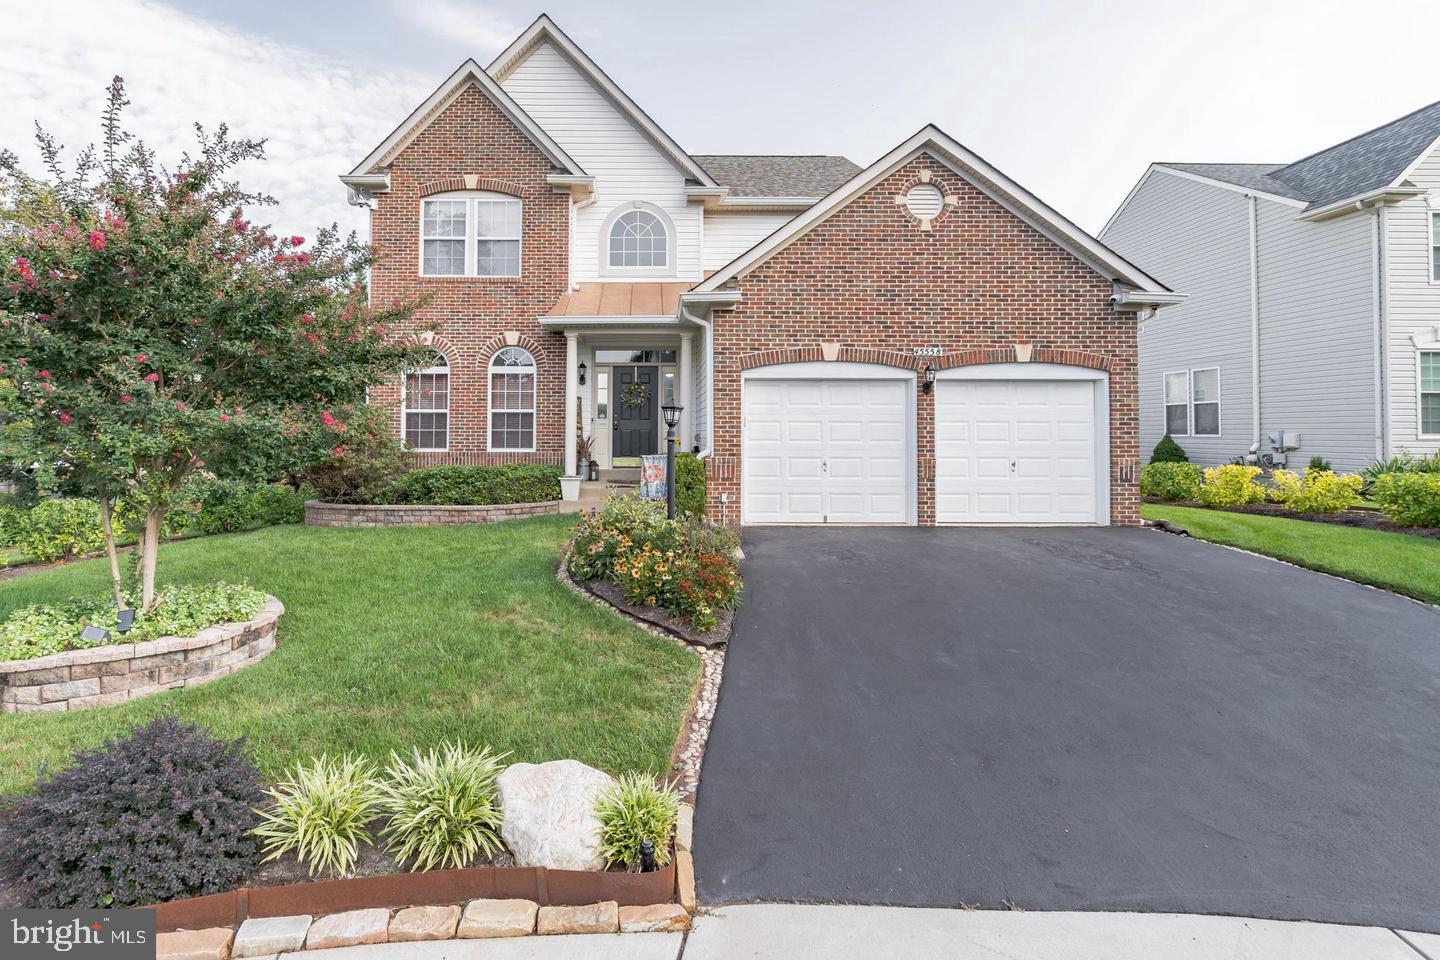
column 634, row 394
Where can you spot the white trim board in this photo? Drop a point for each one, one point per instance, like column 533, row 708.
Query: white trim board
column 544, row 29
column 1000, row 188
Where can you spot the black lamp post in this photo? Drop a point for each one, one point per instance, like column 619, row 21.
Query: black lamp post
column 672, row 417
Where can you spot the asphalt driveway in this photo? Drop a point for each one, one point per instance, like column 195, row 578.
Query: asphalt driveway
column 1092, row 719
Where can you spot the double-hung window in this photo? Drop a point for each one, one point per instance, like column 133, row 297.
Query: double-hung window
column 1430, row 392
column 512, row 401
column 1435, row 246
column 472, row 233
column 1192, row 403
column 427, row 406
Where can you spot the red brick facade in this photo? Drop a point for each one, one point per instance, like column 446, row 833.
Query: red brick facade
column 977, row 283
column 472, row 145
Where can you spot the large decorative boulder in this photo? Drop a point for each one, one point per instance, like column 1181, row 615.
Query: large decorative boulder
column 550, row 814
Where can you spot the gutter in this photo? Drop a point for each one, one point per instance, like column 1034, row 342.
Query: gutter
column 1131, row 299
column 1372, row 198
column 1381, row 332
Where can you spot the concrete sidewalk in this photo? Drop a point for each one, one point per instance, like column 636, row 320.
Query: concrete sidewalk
column 784, row 932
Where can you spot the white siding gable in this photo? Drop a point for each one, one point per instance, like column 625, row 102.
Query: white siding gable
column 729, row 234
column 1413, row 302
column 626, row 165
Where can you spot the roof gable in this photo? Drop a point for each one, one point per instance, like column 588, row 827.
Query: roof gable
column 544, row 29
column 974, row 170
column 467, row 74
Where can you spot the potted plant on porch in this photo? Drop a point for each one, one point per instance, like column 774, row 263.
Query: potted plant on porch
column 582, row 456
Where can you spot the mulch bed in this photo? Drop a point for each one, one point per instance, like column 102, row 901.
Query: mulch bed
column 1365, row 519
column 660, row 617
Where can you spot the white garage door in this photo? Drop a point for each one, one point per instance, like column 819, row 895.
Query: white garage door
column 1015, row 451
column 827, row 451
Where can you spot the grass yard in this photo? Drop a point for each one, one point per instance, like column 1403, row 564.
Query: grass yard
column 392, row 637
column 1396, row 561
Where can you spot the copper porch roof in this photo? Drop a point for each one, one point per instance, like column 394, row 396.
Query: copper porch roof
column 620, row 300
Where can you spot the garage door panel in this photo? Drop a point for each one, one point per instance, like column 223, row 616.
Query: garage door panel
column 1015, row 451
column 843, row 449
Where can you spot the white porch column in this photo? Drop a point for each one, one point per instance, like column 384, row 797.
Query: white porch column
column 683, row 389
column 572, row 397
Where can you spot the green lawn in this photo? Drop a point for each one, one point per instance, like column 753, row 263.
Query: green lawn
column 393, row 637
column 1397, row 561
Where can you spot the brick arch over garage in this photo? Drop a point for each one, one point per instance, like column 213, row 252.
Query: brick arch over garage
column 816, row 353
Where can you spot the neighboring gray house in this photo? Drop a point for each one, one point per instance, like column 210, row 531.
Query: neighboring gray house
column 1313, row 303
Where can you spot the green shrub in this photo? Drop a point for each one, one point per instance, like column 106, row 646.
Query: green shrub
column 1317, row 491
column 1168, row 451
column 56, row 529
column 632, row 810
column 1231, row 486
column 159, row 813
column 442, row 805
column 1412, row 499
column 1170, row 480
column 690, row 485
column 371, row 460
column 1403, row 462
column 182, row 611
column 511, row 483
column 226, row 506
column 321, row 810
column 12, row 523
column 1320, row 463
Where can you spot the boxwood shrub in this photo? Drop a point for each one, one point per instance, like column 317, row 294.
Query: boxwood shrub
column 475, row 486
column 690, row 485
column 160, row 813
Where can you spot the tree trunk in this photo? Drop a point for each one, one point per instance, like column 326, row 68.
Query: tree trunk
column 106, row 513
column 154, row 516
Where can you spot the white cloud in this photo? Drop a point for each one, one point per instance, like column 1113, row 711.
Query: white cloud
column 460, row 23
column 319, row 115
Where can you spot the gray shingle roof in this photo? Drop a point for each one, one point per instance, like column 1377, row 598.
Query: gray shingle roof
column 1367, row 162
column 777, row 176
column 1251, row 176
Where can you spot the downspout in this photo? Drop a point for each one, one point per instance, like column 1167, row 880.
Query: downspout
column 1255, row 317
column 709, row 449
column 1377, row 253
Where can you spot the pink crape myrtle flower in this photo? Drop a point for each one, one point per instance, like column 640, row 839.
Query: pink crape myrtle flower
column 337, row 451
column 151, row 377
column 66, row 419
column 125, row 398
column 224, row 418
column 97, row 240
column 141, row 358
column 43, row 375
column 297, row 241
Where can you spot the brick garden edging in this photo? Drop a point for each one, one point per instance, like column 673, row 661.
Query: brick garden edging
column 114, row 673
column 318, row 513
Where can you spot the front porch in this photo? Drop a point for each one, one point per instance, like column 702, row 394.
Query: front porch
column 620, row 370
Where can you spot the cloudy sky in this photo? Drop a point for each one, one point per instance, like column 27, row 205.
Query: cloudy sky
column 1072, row 99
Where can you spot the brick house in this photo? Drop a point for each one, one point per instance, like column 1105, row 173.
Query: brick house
column 920, row 341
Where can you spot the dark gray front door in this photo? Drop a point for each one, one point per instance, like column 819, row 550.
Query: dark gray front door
column 636, row 406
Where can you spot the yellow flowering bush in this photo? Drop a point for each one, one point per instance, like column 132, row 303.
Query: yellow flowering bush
column 1231, row 486
column 1317, row 491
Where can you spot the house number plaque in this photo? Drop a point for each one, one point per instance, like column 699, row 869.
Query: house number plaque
column 928, row 351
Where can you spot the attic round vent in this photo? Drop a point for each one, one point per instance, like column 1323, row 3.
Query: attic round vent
column 925, row 201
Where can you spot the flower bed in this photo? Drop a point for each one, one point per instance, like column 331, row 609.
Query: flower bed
column 321, row 514
column 103, row 675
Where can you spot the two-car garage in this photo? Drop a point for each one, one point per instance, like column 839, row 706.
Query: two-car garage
column 832, row 442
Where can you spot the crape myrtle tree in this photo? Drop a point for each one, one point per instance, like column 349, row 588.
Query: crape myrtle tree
column 148, row 330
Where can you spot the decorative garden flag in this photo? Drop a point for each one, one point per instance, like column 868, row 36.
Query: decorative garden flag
column 652, row 476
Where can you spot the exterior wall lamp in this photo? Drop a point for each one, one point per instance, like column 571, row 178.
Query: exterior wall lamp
column 928, row 377
column 581, row 370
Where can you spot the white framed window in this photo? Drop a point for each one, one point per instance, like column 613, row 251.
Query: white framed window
column 638, row 239
column 512, row 401
column 1177, row 403
column 470, row 233
column 1430, row 392
column 426, row 424
column 1435, row 246
column 1205, row 402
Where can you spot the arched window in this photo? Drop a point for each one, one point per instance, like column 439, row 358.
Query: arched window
column 512, row 400
column 638, row 239
column 427, row 406
column 470, row 233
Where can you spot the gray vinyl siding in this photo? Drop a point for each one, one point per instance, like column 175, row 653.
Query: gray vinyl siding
column 1195, row 239
column 1413, row 304
column 1317, row 334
